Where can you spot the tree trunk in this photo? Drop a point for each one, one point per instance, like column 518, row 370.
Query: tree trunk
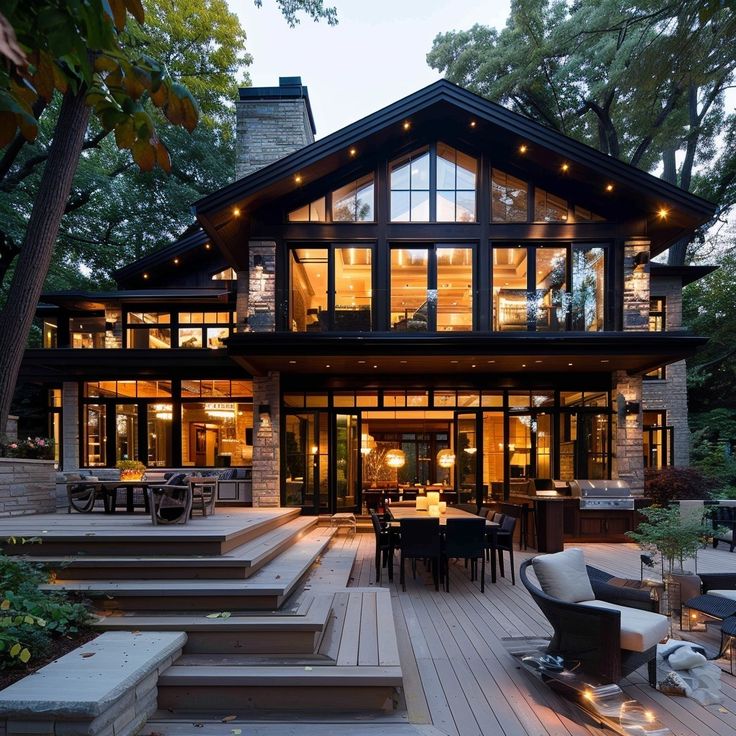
column 34, row 260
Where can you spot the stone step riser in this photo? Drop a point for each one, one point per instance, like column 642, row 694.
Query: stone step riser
column 257, row 642
column 287, row 697
column 211, row 603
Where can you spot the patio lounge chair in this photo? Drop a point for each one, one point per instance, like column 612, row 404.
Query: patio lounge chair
column 171, row 503
column 82, row 493
column 610, row 630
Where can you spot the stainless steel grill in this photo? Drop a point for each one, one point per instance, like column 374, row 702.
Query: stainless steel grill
column 602, row 495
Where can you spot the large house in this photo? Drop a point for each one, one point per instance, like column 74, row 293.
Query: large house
column 443, row 293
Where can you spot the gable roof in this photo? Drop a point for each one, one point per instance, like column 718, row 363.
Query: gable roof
column 443, row 97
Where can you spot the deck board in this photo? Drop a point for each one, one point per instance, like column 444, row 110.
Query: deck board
column 458, row 676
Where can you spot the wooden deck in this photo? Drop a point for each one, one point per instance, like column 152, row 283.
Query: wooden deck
column 459, row 678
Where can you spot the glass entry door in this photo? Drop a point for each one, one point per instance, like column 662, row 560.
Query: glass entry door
column 306, row 461
column 347, row 466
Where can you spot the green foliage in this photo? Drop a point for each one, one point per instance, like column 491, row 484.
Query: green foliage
column 675, row 537
column 135, row 465
column 641, row 81
column 29, row 618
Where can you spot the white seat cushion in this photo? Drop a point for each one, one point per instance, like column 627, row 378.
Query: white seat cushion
column 724, row 593
column 727, row 534
column 640, row 630
column 562, row 575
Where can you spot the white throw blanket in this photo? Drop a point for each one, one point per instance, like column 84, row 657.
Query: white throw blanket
column 689, row 668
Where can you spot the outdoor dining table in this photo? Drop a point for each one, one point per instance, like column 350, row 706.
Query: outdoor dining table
column 111, row 487
column 398, row 513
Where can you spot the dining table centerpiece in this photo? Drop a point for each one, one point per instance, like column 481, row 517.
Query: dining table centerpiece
column 131, row 469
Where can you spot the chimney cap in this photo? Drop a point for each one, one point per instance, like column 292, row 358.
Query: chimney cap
column 290, row 88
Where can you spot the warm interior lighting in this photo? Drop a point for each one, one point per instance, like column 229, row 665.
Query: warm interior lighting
column 523, row 148
column 446, row 458
column 609, row 187
column 163, row 412
column 220, row 410
column 395, row 458
column 470, row 450
column 236, row 211
column 663, row 212
column 367, row 444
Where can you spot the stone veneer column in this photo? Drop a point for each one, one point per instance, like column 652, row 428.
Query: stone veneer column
column 261, row 298
column 266, row 438
column 628, row 451
column 70, row 425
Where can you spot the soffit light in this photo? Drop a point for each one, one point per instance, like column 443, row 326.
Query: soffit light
column 407, row 125
column 523, row 148
column 609, row 187
column 663, row 213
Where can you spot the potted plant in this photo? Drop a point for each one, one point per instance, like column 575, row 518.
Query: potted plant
column 674, row 537
column 131, row 469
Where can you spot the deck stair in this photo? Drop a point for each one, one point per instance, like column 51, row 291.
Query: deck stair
column 263, row 596
column 238, row 563
column 266, row 589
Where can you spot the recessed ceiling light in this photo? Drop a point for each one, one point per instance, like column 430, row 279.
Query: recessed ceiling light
column 327, row 366
column 145, row 275
column 402, row 361
column 523, row 365
column 523, row 148
column 353, row 151
column 605, row 361
column 537, row 361
column 292, row 362
column 663, row 212
column 407, row 125
column 565, row 167
column 361, row 362
column 207, row 246
column 473, row 366
column 473, row 123
column 236, row 211
column 569, row 363
column 491, row 361
column 454, row 361
column 609, row 187
column 375, row 366
column 298, row 179
column 176, row 260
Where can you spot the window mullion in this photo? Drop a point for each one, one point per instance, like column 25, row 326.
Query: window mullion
column 433, row 182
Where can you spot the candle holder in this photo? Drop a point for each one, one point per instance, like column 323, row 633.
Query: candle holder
column 422, row 504
column 443, row 507
column 690, row 620
column 433, row 498
column 434, row 510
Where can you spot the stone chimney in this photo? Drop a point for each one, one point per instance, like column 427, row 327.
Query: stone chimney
column 272, row 122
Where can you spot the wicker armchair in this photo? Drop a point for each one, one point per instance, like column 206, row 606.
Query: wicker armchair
column 592, row 634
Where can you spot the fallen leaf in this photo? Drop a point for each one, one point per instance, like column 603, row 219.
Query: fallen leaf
column 236, row 731
column 307, row 669
column 723, row 710
column 88, row 654
column 227, row 719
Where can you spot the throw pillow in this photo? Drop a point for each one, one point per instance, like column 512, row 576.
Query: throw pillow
column 562, row 575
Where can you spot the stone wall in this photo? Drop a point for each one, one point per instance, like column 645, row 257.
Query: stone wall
column 266, row 453
column 269, row 129
column 636, row 285
column 628, row 455
column 70, row 425
column 261, row 299
column 27, row 486
column 670, row 395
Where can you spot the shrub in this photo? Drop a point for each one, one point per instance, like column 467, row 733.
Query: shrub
column 131, row 469
column 31, row 619
column 677, row 484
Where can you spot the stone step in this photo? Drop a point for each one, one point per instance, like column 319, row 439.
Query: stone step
column 291, row 631
column 267, row 589
column 240, row 562
column 252, row 688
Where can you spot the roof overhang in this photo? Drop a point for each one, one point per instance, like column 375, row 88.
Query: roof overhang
column 445, row 107
column 98, row 300
column 370, row 354
column 686, row 274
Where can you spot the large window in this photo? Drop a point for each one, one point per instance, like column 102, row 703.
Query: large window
column 548, row 288
column 432, row 288
column 354, row 201
column 509, row 198
column 410, row 187
column 148, row 329
column 87, row 331
column 657, row 440
column 203, row 329
column 548, row 207
column 312, row 212
column 456, row 177
column 192, row 422
column 331, row 289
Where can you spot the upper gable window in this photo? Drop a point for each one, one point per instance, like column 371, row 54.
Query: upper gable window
column 354, row 201
column 509, row 198
column 456, row 175
column 548, row 208
column 410, row 187
column 312, row 212
column 226, row 275
column 583, row 215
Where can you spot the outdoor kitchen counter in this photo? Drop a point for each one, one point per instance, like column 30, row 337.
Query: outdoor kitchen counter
column 549, row 518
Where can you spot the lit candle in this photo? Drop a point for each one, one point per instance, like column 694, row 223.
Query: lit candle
column 443, row 507
column 433, row 498
column 422, row 503
column 434, row 510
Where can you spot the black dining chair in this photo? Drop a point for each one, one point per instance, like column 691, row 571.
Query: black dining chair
column 504, row 542
column 465, row 539
column 420, row 539
column 384, row 547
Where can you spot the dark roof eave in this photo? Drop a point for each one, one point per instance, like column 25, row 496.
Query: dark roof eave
column 687, row 274
column 493, row 113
